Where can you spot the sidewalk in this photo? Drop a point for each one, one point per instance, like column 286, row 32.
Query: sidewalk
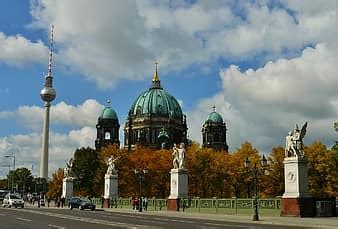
column 316, row 222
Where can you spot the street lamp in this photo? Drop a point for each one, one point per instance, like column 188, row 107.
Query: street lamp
column 247, row 165
column 255, row 173
column 12, row 156
column 141, row 176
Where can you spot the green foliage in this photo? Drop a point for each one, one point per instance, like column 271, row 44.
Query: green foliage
column 85, row 164
column 21, row 180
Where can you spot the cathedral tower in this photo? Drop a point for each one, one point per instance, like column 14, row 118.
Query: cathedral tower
column 107, row 128
column 214, row 132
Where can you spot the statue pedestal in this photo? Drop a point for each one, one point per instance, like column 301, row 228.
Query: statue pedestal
column 296, row 200
column 67, row 188
column 110, row 189
column 178, row 188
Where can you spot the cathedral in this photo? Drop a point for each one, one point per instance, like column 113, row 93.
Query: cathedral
column 156, row 120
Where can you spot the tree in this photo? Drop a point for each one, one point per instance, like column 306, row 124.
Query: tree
column 85, row 164
column 322, row 167
column 3, row 184
column 55, row 185
column 21, row 179
column 273, row 182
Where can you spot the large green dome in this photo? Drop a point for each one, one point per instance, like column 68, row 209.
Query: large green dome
column 157, row 102
column 108, row 113
column 214, row 117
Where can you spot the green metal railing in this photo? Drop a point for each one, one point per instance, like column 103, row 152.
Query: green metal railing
column 212, row 205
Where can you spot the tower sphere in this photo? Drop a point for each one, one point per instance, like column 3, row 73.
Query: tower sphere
column 48, row 94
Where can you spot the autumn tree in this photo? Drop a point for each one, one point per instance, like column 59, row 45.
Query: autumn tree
column 273, row 181
column 55, row 185
column 322, row 169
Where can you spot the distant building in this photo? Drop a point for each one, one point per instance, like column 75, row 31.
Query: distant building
column 214, row 132
column 155, row 119
column 107, row 128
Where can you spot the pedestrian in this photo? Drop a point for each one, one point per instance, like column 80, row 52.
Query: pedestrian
column 145, row 203
column 48, row 201
column 58, row 201
column 62, row 202
column 133, row 202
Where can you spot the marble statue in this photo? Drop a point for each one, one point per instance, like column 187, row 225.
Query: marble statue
column 67, row 171
column 175, row 157
column 294, row 142
column 181, row 157
column 111, row 170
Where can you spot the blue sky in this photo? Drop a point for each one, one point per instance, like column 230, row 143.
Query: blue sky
column 266, row 65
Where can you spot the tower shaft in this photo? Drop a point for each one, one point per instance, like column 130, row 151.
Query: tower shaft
column 45, row 143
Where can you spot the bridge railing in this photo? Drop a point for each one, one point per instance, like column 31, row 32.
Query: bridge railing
column 199, row 204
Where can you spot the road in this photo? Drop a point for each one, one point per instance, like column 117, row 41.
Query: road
column 37, row 218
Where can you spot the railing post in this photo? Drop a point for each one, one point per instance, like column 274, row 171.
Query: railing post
column 199, row 204
column 154, row 203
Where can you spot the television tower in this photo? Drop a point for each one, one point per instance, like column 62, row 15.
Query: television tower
column 47, row 94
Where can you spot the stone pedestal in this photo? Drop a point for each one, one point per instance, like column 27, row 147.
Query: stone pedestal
column 296, row 200
column 110, row 189
column 178, row 188
column 67, row 188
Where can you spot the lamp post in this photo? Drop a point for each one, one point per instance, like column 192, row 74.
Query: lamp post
column 141, row 176
column 255, row 173
column 12, row 156
column 247, row 164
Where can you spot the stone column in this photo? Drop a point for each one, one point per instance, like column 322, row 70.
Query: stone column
column 296, row 200
column 67, row 188
column 178, row 188
column 110, row 189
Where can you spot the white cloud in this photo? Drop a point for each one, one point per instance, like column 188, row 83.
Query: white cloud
column 108, row 41
column 18, row 51
column 85, row 114
column 27, row 148
column 262, row 105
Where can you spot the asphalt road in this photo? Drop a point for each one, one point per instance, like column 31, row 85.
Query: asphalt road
column 37, row 218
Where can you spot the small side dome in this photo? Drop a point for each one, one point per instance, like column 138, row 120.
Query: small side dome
column 108, row 113
column 214, row 117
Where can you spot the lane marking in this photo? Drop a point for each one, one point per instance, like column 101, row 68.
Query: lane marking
column 87, row 220
column 55, row 226
column 2, row 214
column 27, row 220
column 228, row 225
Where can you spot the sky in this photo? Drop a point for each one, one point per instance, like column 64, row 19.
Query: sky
column 265, row 65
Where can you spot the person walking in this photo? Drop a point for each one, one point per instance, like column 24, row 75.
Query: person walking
column 145, row 203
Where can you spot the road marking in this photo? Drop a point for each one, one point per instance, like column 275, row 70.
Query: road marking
column 83, row 219
column 2, row 214
column 226, row 225
column 55, row 226
column 27, row 220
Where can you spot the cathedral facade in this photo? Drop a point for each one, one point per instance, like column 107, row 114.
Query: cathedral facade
column 156, row 120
